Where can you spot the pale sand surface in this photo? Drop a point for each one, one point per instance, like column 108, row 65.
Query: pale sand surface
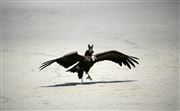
column 36, row 32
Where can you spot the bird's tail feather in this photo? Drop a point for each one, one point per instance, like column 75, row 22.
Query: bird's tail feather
column 45, row 64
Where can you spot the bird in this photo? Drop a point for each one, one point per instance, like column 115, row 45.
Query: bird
column 83, row 63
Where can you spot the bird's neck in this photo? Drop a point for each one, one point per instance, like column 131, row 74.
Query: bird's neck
column 88, row 54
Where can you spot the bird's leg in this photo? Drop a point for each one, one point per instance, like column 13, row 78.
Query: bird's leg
column 81, row 80
column 89, row 77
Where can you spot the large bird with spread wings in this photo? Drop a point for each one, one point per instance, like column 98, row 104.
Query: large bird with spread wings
column 84, row 63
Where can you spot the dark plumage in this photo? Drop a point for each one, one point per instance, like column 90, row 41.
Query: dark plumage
column 84, row 63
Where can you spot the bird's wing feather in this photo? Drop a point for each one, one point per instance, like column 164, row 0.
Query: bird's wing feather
column 65, row 61
column 116, row 57
column 69, row 59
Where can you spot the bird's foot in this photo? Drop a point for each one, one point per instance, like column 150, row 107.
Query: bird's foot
column 89, row 77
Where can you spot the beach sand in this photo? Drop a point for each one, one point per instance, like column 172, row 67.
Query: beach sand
column 34, row 32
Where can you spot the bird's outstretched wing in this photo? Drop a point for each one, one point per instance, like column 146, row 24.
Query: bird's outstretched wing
column 116, row 57
column 65, row 61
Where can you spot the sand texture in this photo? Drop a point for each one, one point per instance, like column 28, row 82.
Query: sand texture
column 34, row 32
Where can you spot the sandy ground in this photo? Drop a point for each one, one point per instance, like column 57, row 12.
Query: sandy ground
column 34, row 32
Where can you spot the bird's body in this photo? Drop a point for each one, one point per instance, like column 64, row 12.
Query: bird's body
column 84, row 63
column 83, row 66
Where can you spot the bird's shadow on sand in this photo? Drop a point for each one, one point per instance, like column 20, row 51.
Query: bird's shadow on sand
column 88, row 83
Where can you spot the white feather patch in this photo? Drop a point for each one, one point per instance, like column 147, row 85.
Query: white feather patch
column 93, row 58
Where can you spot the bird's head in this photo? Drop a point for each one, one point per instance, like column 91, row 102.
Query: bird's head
column 90, row 51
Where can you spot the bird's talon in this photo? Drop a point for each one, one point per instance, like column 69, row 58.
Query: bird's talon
column 89, row 77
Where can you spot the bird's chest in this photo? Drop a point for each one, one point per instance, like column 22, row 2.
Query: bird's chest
column 87, row 62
